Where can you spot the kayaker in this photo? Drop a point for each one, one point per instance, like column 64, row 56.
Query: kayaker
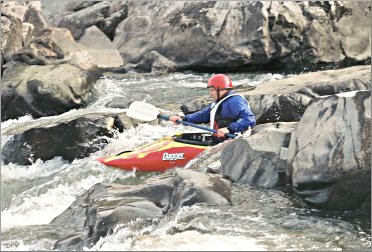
column 228, row 113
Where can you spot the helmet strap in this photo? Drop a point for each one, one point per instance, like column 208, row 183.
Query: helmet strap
column 218, row 94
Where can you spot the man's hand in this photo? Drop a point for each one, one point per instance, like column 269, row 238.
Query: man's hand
column 221, row 132
column 174, row 119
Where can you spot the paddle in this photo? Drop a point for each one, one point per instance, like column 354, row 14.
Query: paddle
column 147, row 112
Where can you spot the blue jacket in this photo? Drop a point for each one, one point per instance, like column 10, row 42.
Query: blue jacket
column 233, row 113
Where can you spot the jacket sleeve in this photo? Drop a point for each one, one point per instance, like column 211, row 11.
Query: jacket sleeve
column 202, row 116
column 239, row 109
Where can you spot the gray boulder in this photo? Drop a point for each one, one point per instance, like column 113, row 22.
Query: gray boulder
column 224, row 36
column 247, row 35
column 83, row 18
column 104, row 206
column 101, row 48
column 74, row 139
column 106, row 15
column 51, row 76
column 152, row 62
column 44, row 90
column 329, row 155
column 70, row 135
column 256, row 160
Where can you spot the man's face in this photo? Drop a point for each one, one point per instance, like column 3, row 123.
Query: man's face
column 214, row 93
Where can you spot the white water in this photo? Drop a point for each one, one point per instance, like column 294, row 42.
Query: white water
column 258, row 220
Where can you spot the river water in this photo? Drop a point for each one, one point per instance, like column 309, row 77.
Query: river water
column 258, row 219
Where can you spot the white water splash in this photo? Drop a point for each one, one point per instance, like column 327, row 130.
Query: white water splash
column 43, row 202
column 195, row 241
column 36, row 170
column 39, row 210
column 125, row 239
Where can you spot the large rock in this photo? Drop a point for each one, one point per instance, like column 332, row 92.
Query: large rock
column 256, row 160
column 234, row 35
column 99, row 210
column 106, row 15
column 11, row 35
column 49, row 77
column 329, row 156
column 44, row 90
column 20, row 22
column 247, row 35
column 75, row 139
column 152, row 62
column 70, row 135
column 101, row 48
column 76, row 22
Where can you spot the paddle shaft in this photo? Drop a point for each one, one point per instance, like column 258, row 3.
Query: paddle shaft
column 166, row 117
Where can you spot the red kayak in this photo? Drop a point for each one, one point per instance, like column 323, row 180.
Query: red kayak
column 166, row 153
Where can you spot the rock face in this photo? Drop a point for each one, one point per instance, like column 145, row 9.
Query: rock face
column 329, row 156
column 106, row 15
column 256, row 160
column 19, row 23
column 95, row 213
column 231, row 35
column 247, row 35
column 51, row 76
column 44, row 90
column 101, row 48
column 74, row 139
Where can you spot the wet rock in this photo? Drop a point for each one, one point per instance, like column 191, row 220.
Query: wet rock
column 329, row 156
column 44, row 90
column 191, row 187
column 74, row 139
column 95, row 213
column 195, row 105
column 256, row 160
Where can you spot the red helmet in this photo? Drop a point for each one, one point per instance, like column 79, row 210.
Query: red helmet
column 220, row 82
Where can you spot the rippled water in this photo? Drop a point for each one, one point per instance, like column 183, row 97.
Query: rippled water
column 257, row 220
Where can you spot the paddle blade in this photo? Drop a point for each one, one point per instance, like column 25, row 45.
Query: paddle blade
column 142, row 111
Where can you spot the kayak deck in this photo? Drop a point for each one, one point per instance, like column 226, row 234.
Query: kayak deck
column 166, row 153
